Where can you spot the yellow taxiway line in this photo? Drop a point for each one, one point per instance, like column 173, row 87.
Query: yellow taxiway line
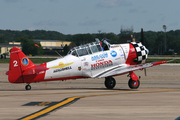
column 49, row 109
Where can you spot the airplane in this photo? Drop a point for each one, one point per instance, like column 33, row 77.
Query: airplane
column 98, row 59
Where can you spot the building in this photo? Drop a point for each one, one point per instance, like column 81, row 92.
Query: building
column 46, row 44
column 5, row 48
column 52, row 44
column 126, row 35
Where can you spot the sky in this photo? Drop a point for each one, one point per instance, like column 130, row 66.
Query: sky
column 89, row 16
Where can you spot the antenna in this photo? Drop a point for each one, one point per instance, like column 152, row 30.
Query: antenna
column 58, row 53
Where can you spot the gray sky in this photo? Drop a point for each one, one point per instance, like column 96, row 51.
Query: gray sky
column 89, row 16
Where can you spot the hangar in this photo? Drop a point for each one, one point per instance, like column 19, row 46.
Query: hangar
column 46, row 44
column 52, row 44
column 5, row 49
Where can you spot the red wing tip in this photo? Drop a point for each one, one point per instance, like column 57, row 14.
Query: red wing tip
column 163, row 62
column 160, row 62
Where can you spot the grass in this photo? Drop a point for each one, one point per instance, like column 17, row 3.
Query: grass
column 43, row 60
column 155, row 60
column 164, row 55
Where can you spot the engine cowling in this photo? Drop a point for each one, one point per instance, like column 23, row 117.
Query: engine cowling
column 142, row 52
column 137, row 53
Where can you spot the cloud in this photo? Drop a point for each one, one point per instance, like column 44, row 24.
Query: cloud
column 133, row 10
column 151, row 21
column 114, row 19
column 114, row 3
column 32, row 28
column 163, row 18
column 53, row 0
column 51, row 23
column 12, row 1
column 90, row 23
column 174, row 24
column 144, row 11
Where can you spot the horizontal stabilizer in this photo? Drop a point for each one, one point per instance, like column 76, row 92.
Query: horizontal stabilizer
column 34, row 70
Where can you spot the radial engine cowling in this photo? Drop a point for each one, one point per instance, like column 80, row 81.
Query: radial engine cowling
column 141, row 52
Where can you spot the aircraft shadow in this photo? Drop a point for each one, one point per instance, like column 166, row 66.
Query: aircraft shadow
column 47, row 89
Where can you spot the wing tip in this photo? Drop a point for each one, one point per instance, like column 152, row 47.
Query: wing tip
column 160, row 62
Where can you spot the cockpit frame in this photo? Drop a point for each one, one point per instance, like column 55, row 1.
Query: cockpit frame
column 87, row 49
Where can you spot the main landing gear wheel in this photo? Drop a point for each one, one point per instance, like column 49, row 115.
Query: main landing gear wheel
column 28, row 87
column 133, row 84
column 110, row 82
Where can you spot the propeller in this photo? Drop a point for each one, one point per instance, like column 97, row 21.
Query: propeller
column 145, row 72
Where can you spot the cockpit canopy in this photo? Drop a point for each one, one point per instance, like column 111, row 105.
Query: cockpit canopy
column 89, row 48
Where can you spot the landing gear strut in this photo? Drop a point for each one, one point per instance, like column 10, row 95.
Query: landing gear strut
column 28, row 87
column 110, row 82
column 133, row 81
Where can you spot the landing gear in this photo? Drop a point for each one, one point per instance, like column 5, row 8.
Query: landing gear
column 110, row 82
column 28, row 87
column 133, row 84
column 133, row 81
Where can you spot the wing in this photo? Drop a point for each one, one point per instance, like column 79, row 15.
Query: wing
column 122, row 69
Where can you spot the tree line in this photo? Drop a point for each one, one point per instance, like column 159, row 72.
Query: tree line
column 154, row 41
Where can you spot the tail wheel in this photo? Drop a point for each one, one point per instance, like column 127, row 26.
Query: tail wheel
column 28, row 87
column 133, row 84
column 110, row 82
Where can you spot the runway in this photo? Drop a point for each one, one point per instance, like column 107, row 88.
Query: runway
column 157, row 98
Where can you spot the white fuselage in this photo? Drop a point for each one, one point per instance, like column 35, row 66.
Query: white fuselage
column 89, row 65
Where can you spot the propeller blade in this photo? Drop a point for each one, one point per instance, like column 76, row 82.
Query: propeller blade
column 145, row 71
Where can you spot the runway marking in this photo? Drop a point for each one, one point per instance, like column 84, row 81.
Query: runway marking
column 49, row 109
column 120, row 90
column 67, row 101
column 43, row 103
column 40, row 103
column 64, row 93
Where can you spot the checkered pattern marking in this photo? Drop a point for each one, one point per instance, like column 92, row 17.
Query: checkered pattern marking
column 141, row 52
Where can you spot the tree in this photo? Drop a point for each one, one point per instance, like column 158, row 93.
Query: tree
column 113, row 37
column 28, row 47
column 66, row 49
column 2, row 40
column 72, row 44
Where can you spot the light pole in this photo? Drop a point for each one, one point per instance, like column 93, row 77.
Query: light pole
column 99, row 34
column 164, row 27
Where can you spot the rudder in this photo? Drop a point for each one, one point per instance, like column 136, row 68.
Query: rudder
column 18, row 63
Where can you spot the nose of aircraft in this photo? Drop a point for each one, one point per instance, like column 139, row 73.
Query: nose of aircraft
column 142, row 52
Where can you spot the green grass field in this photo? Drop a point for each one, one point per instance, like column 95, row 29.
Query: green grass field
column 155, row 60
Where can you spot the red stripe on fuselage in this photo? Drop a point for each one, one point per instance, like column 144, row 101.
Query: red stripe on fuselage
column 35, row 77
column 41, row 75
column 131, row 56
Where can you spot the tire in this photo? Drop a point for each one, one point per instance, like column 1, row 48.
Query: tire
column 28, row 87
column 110, row 82
column 133, row 84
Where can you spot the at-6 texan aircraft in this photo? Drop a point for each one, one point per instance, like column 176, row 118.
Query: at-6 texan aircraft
column 98, row 59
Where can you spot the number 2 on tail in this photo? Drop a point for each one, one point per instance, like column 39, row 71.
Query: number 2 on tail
column 15, row 63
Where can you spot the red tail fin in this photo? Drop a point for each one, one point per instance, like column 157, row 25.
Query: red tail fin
column 18, row 63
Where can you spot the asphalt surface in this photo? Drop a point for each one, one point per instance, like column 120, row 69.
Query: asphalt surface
column 158, row 98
